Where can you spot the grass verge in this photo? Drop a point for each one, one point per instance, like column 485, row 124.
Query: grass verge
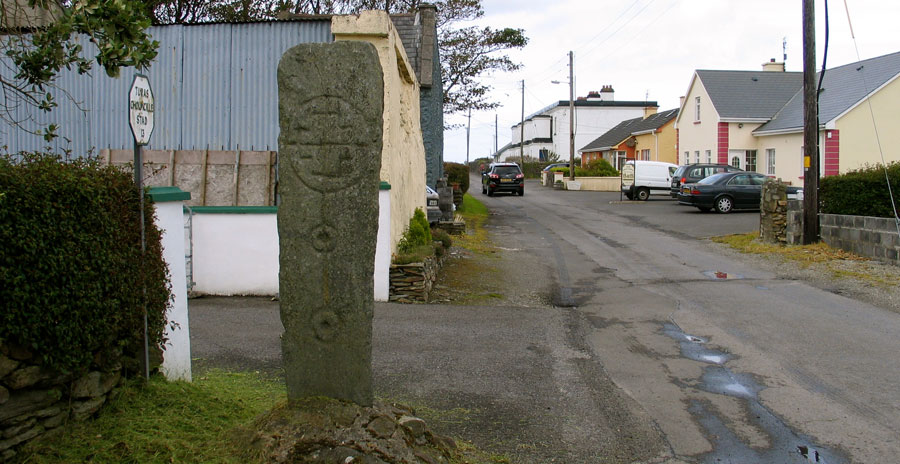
column 476, row 239
column 832, row 260
column 164, row 422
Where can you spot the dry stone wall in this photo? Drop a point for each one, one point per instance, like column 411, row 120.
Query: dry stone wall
column 34, row 400
column 412, row 283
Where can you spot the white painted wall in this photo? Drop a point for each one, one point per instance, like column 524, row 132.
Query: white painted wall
column 383, row 250
column 177, row 357
column 235, row 254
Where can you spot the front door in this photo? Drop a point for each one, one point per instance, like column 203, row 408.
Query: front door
column 736, row 158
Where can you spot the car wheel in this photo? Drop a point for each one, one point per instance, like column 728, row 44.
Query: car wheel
column 703, row 209
column 724, row 204
column 643, row 194
column 490, row 192
column 521, row 192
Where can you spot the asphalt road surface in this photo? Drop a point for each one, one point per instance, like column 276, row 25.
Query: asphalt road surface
column 644, row 344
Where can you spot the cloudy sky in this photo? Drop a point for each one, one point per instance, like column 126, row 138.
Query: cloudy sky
column 648, row 49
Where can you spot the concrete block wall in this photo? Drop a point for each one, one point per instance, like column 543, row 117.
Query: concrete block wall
column 866, row 236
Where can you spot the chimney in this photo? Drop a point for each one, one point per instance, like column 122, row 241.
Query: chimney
column 593, row 95
column 607, row 93
column 650, row 111
column 773, row 65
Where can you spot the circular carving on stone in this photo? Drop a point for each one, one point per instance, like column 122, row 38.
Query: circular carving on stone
column 323, row 238
column 326, row 144
column 326, row 325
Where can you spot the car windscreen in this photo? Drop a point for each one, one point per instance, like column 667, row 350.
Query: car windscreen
column 713, row 178
column 506, row 170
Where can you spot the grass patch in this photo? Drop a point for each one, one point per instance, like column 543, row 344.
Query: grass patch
column 476, row 239
column 839, row 263
column 164, row 422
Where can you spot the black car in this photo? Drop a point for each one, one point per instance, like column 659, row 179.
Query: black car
column 503, row 177
column 692, row 173
column 728, row 191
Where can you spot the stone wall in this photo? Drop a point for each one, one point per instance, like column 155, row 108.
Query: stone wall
column 773, row 212
column 34, row 400
column 871, row 237
column 412, row 283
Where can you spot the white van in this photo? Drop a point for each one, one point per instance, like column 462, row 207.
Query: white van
column 649, row 177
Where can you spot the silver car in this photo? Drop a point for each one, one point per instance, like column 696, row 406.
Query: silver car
column 432, row 200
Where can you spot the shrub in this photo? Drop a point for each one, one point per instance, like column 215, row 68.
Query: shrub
column 441, row 235
column 417, row 234
column 597, row 168
column 457, row 174
column 862, row 192
column 72, row 275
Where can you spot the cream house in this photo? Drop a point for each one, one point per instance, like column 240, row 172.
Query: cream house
column 650, row 138
column 722, row 108
column 754, row 119
column 858, row 118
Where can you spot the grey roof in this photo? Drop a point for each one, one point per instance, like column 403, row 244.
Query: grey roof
column 626, row 128
column 842, row 88
column 749, row 94
column 409, row 34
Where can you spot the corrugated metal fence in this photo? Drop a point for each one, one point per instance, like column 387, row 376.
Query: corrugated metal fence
column 214, row 86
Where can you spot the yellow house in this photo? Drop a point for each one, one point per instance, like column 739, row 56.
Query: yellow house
column 722, row 108
column 858, row 118
column 651, row 138
column 754, row 119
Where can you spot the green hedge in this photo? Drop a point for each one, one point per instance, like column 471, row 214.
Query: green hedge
column 862, row 192
column 71, row 271
column 597, row 168
column 457, row 174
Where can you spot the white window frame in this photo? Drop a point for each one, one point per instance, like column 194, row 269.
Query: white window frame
column 770, row 161
column 708, row 156
column 687, row 157
column 697, row 109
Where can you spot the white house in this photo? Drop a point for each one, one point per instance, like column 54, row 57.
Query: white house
column 547, row 131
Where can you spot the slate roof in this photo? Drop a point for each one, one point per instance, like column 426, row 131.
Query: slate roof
column 842, row 88
column 409, row 34
column 749, row 94
column 628, row 127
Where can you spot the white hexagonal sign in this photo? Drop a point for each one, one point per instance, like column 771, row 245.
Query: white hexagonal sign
column 140, row 109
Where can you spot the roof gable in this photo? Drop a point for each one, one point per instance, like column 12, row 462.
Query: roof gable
column 749, row 94
column 843, row 88
column 626, row 128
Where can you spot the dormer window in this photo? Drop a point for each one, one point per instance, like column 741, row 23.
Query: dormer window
column 697, row 109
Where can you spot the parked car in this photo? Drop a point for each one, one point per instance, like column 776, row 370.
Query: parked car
column 729, row 191
column 549, row 167
column 432, row 205
column 503, row 177
column 649, row 177
column 693, row 173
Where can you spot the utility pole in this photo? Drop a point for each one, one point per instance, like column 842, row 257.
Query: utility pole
column 810, row 128
column 495, row 133
column 571, row 117
column 468, row 130
column 522, row 129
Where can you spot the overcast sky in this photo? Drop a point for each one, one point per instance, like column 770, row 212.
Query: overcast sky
column 649, row 49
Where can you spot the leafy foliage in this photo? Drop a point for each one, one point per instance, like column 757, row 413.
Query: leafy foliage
column 457, row 174
column 597, row 168
column 72, row 275
column 863, row 192
column 116, row 27
column 417, row 234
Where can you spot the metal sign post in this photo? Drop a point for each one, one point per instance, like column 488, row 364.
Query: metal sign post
column 627, row 178
column 140, row 118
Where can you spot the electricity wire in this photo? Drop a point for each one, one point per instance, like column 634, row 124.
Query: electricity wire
column 862, row 74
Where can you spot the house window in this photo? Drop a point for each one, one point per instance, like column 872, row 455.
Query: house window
column 770, row 161
column 645, row 154
column 697, row 109
column 709, row 156
column 697, row 156
column 750, row 158
column 736, row 161
column 687, row 157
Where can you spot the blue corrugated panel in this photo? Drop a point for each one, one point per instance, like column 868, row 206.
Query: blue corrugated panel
column 257, row 49
column 214, row 85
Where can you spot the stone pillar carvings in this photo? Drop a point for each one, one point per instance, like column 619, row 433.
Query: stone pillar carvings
column 331, row 102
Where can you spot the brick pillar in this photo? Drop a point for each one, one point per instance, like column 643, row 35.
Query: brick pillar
column 832, row 153
column 722, row 143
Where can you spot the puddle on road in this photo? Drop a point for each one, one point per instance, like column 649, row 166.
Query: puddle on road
column 721, row 275
column 785, row 446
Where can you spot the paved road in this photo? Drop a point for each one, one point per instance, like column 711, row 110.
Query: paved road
column 637, row 353
column 742, row 368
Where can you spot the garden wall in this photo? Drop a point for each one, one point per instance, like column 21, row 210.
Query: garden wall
column 867, row 236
